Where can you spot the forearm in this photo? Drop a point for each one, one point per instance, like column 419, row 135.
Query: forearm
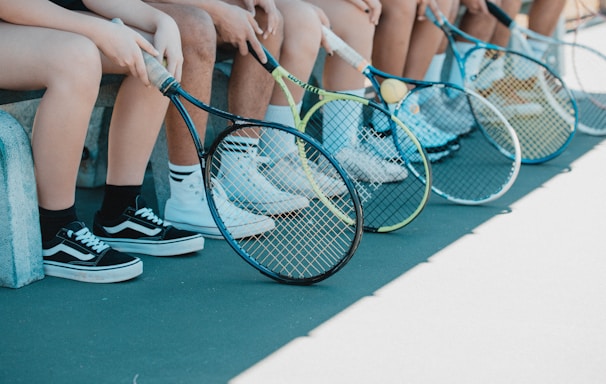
column 215, row 8
column 132, row 12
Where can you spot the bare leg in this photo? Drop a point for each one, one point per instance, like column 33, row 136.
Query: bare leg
column 425, row 43
column 479, row 25
column 501, row 33
column 354, row 27
column 544, row 15
column 302, row 36
column 250, row 85
column 38, row 58
column 136, row 120
column 392, row 36
column 198, row 39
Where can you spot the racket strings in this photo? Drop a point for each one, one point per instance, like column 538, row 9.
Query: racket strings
column 589, row 87
column 391, row 181
column 533, row 100
column 483, row 162
column 308, row 240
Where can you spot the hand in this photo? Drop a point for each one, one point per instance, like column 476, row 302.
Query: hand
column 475, row 6
column 238, row 27
column 422, row 6
column 167, row 41
column 123, row 46
column 273, row 16
column 372, row 7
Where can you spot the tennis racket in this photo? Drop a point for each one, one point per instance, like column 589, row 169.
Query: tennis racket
column 301, row 247
column 533, row 98
column 393, row 192
column 587, row 15
column 487, row 157
column 587, row 75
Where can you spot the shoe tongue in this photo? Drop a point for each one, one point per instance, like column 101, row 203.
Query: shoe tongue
column 75, row 226
column 140, row 203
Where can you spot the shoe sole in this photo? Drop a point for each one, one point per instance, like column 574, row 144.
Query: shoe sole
column 175, row 247
column 238, row 232
column 110, row 274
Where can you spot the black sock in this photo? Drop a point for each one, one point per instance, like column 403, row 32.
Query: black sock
column 117, row 198
column 52, row 221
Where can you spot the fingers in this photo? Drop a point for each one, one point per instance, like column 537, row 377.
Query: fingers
column 361, row 4
column 256, row 47
column 432, row 5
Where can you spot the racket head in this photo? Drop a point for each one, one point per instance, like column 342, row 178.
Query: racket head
column 578, row 60
column 303, row 246
column 483, row 154
column 394, row 185
column 534, row 99
column 588, row 85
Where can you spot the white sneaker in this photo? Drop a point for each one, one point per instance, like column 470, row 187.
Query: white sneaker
column 249, row 189
column 188, row 209
column 452, row 115
column 378, row 136
column 362, row 165
column 385, row 148
column 432, row 139
column 512, row 108
column 288, row 175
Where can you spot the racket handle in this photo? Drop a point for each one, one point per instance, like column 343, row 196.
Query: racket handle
column 499, row 14
column 271, row 63
column 344, row 51
column 157, row 74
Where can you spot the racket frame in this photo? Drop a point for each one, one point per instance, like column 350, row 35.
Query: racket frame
column 280, row 73
column 353, row 58
column 171, row 88
column 517, row 32
column 451, row 30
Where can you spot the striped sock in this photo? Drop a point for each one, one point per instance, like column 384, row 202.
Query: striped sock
column 179, row 172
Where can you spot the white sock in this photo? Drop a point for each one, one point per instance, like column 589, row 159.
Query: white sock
column 538, row 48
column 337, row 130
column 434, row 71
column 278, row 144
column 180, row 172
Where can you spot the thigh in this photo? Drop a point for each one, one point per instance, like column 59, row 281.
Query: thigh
column 350, row 23
column 32, row 56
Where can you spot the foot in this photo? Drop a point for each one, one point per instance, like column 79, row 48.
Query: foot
column 450, row 113
column 362, row 165
column 76, row 254
column 139, row 230
column 432, row 139
column 515, row 106
column 288, row 175
column 188, row 209
column 249, row 189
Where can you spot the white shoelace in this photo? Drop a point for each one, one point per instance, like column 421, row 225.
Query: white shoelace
column 148, row 214
column 85, row 237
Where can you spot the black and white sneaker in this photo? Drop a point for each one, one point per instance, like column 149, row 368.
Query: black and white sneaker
column 139, row 230
column 75, row 253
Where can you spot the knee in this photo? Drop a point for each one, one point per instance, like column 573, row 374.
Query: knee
column 302, row 27
column 76, row 66
column 198, row 34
